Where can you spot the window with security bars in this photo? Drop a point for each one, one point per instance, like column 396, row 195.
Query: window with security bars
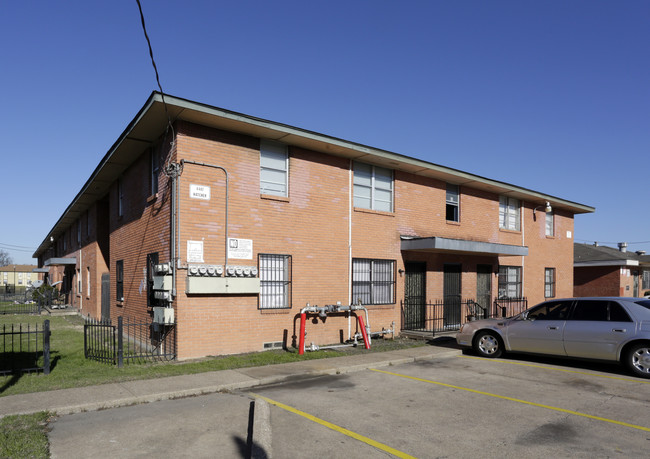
column 275, row 281
column 549, row 282
column 646, row 279
column 373, row 281
column 509, row 282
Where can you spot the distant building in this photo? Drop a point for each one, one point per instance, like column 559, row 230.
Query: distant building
column 607, row 271
column 232, row 224
column 16, row 278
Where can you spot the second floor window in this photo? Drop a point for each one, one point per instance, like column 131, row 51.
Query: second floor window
column 373, row 187
column 453, row 203
column 550, row 224
column 509, row 213
column 155, row 168
column 120, row 197
column 274, row 168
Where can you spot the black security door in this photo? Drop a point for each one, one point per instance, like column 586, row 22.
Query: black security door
column 414, row 296
column 451, row 294
column 484, row 286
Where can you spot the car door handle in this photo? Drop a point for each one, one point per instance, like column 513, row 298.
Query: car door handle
column 552, row 328
column 619, row 330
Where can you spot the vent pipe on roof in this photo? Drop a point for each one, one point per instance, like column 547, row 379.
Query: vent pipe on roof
column 622, row 246
column 640, row 252
column 596, row 244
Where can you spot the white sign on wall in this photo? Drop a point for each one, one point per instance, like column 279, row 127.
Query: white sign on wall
column 195, row 251
column 241, row 249
column 200, row 192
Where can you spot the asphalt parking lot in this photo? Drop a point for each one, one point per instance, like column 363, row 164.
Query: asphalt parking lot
column 450, row 406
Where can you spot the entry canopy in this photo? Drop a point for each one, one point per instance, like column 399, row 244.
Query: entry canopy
column 60, row 261
column 441, row 244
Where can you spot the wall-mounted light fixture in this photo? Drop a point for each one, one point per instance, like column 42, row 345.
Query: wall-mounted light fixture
column 401, row 272
column 547, row 209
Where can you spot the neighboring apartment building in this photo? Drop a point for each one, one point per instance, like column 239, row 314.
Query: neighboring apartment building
column 16, row 278
column 256, row 219
column 606, row 271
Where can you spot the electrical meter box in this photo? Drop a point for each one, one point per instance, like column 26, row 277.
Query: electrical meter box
column 163, row 315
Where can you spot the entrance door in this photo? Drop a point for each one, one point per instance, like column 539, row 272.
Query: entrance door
column 414, row 296
column 635, row 292
column 451, row 296
column 106, row 296
column 484, row 286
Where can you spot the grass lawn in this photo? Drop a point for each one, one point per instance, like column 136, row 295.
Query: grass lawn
column 71, row 369
column 25, row 436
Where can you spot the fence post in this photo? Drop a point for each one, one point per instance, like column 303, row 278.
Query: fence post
column 46, row 347
column 120, row 343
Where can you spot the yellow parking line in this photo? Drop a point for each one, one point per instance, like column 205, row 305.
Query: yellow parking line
column 539, row 405
column 336, row 428
column 641, row 381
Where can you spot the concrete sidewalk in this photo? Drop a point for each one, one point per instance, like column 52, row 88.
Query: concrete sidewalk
column 75, row 400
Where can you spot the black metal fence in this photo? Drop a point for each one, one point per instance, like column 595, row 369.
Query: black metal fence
column 448, row 315
column 25, row 348
column 18, row 303
column 128, row 341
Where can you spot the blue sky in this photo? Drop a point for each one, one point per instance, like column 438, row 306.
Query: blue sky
column 549, row 95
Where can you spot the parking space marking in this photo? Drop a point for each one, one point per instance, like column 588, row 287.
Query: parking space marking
column 336, row 428
column 525, row 402
column 640, row 381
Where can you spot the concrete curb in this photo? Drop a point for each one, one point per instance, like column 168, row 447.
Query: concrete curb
column 107, row 396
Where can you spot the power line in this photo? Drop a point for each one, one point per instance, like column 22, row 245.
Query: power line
column 11, row 246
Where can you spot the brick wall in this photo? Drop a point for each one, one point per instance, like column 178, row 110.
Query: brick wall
column 315, row 225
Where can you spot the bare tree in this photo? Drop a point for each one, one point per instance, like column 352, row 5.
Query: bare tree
column 5, row 258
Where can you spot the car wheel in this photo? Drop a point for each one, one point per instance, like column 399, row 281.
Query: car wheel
column 638, row 359
column 488, row 344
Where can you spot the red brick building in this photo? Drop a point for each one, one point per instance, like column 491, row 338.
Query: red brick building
column 253, row 219
column 606, row 271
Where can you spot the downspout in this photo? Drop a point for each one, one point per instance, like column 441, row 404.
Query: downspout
column 350, row 204
column 523, row 244
column 80, row 282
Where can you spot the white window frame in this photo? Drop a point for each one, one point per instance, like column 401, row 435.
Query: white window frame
column 509, row 213
column 453, row 200
column 549, row 224
column 373, row 187
column 274, row 168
